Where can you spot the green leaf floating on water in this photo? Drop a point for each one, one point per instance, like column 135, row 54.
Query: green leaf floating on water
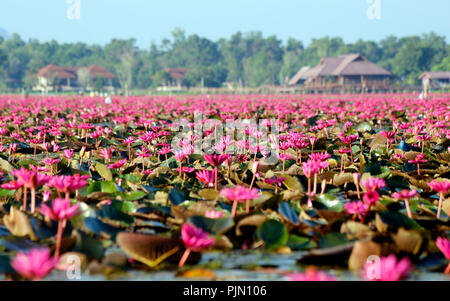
column 286, row 210
column 176, row 196
column 5, row 265
column 273, row 233
column 292, row 183
column 112, row 213
column 296, row 242
column 132, row 196
column 364, row 127
column 89, row 246
column 214, row 226
column 386, row 219
column 331, row 202
column 102, row 186
column 5, row 165
column 149, row 249
column 332, row 239
column 124, row 206
column 104, row 171
column 7, row 192
column 131, row 178
column 27, row 162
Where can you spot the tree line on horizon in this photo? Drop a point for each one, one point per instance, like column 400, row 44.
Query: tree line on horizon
column 245, row 59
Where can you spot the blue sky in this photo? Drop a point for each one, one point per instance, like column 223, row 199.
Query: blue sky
column 153, row 20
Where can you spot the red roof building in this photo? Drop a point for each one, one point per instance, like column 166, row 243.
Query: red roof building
column 52, row 76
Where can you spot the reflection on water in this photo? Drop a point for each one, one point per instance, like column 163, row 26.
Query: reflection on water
column 241, row 266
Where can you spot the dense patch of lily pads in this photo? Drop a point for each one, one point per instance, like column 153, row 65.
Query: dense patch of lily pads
column 358, row 178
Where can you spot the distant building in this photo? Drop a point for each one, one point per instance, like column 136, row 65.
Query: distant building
column 350, row 70
column 437, row 79
column 177, row 75
column 53, row 78
column 300, row 77
column 174, row 81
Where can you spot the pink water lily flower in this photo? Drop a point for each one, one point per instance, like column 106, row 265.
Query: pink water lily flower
column 35, row 264
column 68, row 153
column 405, row 195
column 444, row 245
column 240, row 194
column 12, row 185
column 194, row 239
column 46, row 195
column 118, row 164
column 373, row 184
column 206, row 177
column 442, row 187
column 283, row 158
column 357, row 209
column 371, row 198
column 277, row 182
column 60, row 210
column 215, row 160
column 67, row 184
column 387, row 269
column 420, row 158
column 106, row 153
column 310, row 274
column 213, row 214
column 30, row 180
column 311, row 168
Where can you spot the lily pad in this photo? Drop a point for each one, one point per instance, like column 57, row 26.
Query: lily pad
column 150, row 249
column 176, row 196
column 112, row 213
column 296, row 242
column 273, row 233
column 332, row 239
column 104, row 171
column 100, row 228
column 286, row 210
column 331, row 202
column 133, row 195
column 214, row 226
column 386, row 219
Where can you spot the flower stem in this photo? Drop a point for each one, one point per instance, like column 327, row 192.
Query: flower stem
column 309, row 187
column 184, row 257
column 233, row 209
column 33, row 200
column 216, row 172
column 59, row 235
column 25, row 192
column 315, row 183
column 408, row 208
column 441, row 200
column 351, row 152
column 357, row 190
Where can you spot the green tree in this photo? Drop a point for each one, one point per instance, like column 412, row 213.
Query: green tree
column 161, row 78
column 99, row 83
